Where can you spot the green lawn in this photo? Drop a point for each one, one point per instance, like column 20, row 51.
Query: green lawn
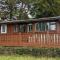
column 26, row 58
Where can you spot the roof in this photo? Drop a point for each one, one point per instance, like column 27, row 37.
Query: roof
column 31, row 20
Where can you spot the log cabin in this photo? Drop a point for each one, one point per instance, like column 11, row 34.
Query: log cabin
column 42, row 32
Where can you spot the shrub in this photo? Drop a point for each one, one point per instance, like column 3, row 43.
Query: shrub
column 31, row 51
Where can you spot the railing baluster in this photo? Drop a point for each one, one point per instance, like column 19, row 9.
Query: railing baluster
column 54, row 39
column 44, row 38
column 57, row 38
column 41, row 40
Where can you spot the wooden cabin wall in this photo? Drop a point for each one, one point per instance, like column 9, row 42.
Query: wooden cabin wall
column 33, row 27
column 35, row 39
column 0, row 29
column 10, row 28
column 58, row 27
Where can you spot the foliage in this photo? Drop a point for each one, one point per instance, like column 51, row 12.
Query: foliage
column 37, row 8
column 45, row 8
column 11, row 4
column 50, row 52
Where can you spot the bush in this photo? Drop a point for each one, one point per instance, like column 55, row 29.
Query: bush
column 51, row 52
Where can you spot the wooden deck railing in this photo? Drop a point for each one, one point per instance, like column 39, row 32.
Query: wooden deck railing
column 31, row 39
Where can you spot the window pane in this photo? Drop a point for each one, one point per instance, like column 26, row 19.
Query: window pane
column 15, row 28
column 40, row 26
column 3, row 28
column 37, row 27
column 29, row 27
column 22, row 28
column 52, row 25
column 43, row 26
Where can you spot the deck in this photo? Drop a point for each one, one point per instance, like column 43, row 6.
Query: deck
column 35, row 39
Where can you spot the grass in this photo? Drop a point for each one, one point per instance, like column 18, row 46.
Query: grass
column 12, row 57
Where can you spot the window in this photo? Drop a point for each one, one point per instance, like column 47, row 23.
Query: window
column 52, row 26
column 29, row 27
column 15, row 28
column 45, row 26
column 40, row 26
column 22, row 28
column 3, row 28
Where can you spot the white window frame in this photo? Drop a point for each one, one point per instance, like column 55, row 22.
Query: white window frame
column 5, row 25
column 28, row 27
column 51, row 26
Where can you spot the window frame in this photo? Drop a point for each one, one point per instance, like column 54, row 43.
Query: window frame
column 15, row 27
column 47, row 27
column 5, row 28
column 30, row 27
column 39, row 28
column 21, row 28
column 52, row 23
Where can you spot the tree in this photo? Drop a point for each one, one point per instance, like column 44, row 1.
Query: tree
column 45, row 8
column 23, row 9
column 13, row 9
column 11, row 6
column 37, row 8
